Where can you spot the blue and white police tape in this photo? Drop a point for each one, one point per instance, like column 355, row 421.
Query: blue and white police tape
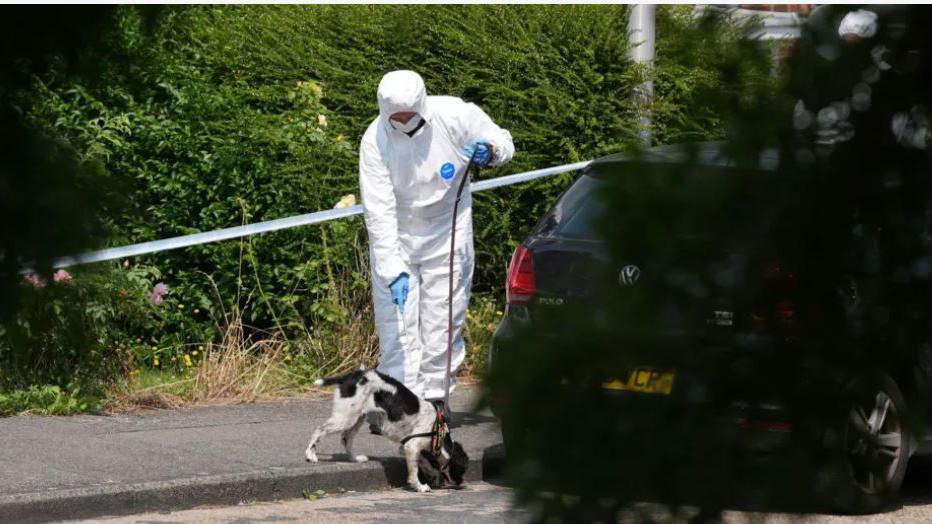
column 228, row 233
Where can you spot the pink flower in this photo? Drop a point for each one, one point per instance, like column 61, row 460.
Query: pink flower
column 157, row 296
column 36, row 281
column 61, row 276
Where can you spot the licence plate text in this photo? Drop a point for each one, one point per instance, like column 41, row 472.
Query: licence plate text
column 644, row 380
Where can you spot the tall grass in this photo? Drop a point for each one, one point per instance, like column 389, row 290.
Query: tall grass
column 248, row 364
column 240, row 368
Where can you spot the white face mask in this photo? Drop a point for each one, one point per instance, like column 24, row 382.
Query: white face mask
column 408, row 127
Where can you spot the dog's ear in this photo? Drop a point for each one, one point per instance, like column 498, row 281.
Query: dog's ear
column 459, row 461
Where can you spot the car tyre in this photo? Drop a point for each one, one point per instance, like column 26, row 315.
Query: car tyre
column 869, row 450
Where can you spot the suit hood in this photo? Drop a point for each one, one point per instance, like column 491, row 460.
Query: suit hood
column 401, row 91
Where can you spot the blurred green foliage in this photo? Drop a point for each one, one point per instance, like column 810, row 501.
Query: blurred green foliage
column 792, row 302
column 46, row 191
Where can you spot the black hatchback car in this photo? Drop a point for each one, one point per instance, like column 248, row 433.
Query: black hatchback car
column 747, row 294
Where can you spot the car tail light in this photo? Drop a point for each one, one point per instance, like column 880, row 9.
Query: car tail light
column 780, row 282
column 521, row 284
column 784, row 310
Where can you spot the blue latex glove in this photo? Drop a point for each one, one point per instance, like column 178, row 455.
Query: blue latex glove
column 483, row 153
column 399, row 289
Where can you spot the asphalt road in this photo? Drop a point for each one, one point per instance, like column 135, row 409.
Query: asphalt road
column 486, row 503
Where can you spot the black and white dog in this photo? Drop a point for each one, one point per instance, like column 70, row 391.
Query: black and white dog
column 407, row 419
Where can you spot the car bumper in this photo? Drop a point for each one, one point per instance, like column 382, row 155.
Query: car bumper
column 762, row 427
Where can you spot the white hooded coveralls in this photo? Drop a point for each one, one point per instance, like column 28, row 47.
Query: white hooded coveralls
column 408, row 186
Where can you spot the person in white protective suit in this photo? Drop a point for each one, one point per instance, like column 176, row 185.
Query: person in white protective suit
column 411, row 160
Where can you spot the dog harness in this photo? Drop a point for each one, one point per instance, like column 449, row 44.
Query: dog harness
column 438, row 433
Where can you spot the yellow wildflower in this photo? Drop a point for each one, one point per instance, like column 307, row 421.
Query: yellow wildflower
column 287, row 358
column 194, row 352
column 180, row 306
column 187, row 360
column 347, row 201
column 322, row 120
column 155, row 362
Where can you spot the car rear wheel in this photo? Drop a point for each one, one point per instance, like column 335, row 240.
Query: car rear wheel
column 873, row 450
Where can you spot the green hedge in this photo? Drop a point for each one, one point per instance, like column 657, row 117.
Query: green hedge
column 228, row 114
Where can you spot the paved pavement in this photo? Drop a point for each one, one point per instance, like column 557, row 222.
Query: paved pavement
column 485, row 503
column 88, row 466
column 478, row 503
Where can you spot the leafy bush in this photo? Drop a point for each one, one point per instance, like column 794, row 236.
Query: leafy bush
column 485, row 312
column 45, row 400
column 229, row 114
column 71, row 330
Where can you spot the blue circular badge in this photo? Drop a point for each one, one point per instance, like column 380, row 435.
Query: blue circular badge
column 447, row 171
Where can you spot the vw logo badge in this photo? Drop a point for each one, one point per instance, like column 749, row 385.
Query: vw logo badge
column 629, row 275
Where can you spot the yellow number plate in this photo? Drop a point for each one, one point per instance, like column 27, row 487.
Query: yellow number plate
column 645, row 380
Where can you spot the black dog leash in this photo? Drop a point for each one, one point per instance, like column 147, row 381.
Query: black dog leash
column 459, row 193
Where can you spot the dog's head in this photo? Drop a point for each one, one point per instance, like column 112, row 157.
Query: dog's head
column 448, row 468
column 457, row 464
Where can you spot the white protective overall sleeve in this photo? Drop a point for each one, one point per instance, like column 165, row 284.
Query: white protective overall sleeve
column 398, row 354
column 478, row 127
column 378, row 196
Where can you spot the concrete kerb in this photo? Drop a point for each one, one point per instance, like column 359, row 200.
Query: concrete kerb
column 178, row 494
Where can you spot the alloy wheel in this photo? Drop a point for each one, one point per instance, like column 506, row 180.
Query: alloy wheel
column 874, row 443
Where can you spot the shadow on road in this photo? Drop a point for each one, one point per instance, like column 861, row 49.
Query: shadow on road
column 916, row 489
column 917, row 486
column 467, row 418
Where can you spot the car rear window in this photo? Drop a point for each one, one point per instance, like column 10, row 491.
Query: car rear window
column 696, row 201
column 575, row 214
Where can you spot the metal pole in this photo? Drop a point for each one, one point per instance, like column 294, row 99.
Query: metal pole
column 641, row 36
